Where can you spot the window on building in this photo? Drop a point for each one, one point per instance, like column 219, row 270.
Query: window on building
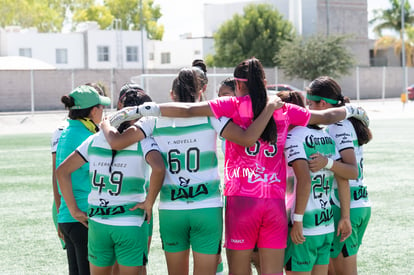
column 61, row 56
column 197, row 52
column 27, row 52
column 132, row 54
column 103, row 53
column 165, row 58
column 151, row 56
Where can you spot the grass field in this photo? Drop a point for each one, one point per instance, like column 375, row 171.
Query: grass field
column 29, row 245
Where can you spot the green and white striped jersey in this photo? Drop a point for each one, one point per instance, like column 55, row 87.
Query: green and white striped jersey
column 117, row 180
column 188, row 147
column 345, row 137
column 301, row 143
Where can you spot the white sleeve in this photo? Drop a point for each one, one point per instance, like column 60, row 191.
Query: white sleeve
column 83, row 148
column 343, row 134
column 220, row 123
column 294, row 149
column 149, row 144
column 55, row 139
column 146, row 124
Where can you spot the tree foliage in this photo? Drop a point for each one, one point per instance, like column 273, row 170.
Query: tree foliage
column 390, row 19
column 49, row 15
column 259, row 32
column 128, row 12
column 41, row 14
column 315, row 56
column 387, row 41
column 99, row 13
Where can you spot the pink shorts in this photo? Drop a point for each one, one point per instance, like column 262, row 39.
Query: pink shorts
column 251, row 221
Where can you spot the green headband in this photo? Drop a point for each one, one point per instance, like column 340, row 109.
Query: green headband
column 319, row 98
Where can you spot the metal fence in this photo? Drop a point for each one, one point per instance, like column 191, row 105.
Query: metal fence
column 41, row 90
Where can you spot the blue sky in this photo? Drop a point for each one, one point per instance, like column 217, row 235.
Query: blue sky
column 182, row 16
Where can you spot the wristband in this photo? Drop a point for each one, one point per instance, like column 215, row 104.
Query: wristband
column 329, row 164
column 149, row 109
column 297, row 217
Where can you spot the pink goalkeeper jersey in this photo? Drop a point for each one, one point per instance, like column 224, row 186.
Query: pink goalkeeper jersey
column 258, row 171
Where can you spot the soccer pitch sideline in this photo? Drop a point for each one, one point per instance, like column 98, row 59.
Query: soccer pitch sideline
column 29, row 244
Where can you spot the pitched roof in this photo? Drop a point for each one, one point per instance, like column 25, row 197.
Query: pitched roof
column 23, row 63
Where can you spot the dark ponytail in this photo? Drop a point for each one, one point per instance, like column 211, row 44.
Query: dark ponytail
column 132, row 97
column 185, row 86
column 363, row 133
column 69, row 102
column 252, row 71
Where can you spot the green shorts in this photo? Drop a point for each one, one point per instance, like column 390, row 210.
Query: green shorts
column 314, row 251
column 359, row 221
column 128, row 245
column 54, row 217
column 201, row 229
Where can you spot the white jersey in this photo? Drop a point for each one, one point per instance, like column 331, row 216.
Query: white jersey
column 117, row 180
column 301, row 143
column 188, row 147
column 56, row 136
column 345, row 137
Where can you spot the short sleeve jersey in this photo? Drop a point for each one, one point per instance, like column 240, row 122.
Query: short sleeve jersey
column 301, row 143
column 258, row 171
column 117, row 180
column 70, row 139
column 189, row 150
column 55, row 137
column 345, row 137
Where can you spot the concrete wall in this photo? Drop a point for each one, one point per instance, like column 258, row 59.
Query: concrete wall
column 49, row 86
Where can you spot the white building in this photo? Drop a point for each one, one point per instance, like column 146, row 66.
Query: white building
column 92, row 48
column 89, row 48
column 179, row 53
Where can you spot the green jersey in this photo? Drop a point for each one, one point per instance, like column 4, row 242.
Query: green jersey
column 188, row 147
column 117, row 180
column 301, row 143
column 345, row 137
column 72, row 136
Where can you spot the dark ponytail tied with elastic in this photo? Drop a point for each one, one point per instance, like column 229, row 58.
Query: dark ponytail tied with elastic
column 251, row 73
column 68, row 101
column 185, row 86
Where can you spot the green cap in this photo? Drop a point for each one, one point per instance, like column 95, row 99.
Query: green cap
column 86, row 96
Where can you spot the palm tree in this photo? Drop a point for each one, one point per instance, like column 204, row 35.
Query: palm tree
column 389, row 41
column 390, row 19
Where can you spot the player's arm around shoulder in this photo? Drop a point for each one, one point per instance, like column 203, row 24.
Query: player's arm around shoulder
column 119, row 141
column 248, row 137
